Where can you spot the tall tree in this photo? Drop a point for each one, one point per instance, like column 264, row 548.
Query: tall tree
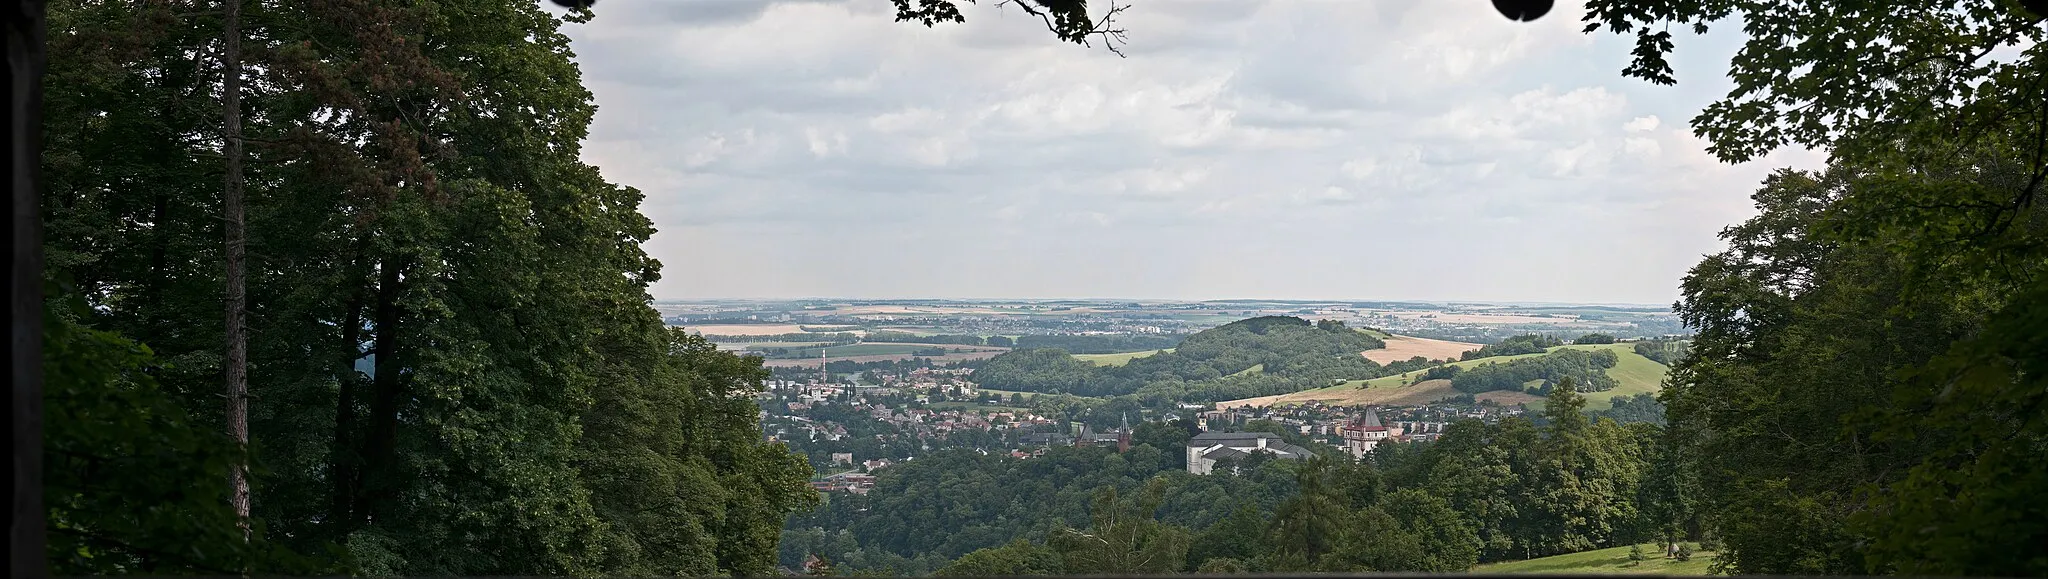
column 233, row 214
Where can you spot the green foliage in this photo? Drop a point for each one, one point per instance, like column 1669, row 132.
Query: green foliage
column 1635, row 555
column 1641, row 407
column 1588, row 367
column 1123, row 538
column 1594, row 338
column 1289, row 353
column 133, row 485
column 1666, row 352
column 1096, row 344
column 1019, row 557
column 1684, row 552
column 1514, row 346
column 454, row 367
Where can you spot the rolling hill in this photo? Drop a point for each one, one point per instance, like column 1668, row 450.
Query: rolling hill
column 1633, row 372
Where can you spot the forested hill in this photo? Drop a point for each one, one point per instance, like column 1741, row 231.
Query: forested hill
column 1266, row 354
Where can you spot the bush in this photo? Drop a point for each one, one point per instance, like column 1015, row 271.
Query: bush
column 1684, row 552
column 1221, row 565
column 1710, row 543
column 1635, row 555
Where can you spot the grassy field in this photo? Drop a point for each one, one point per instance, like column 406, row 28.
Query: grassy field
column 1604, row 561
column 1255, row 369
column 1116, row 359
column 1633, row 372
column 1376, row 333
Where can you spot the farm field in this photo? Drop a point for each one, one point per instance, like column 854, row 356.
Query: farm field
column 1405, row 347
column 1634, row 373
column 1116, row 359
column 1605, row 561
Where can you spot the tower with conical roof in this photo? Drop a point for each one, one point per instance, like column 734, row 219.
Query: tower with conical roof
column 1365, row 433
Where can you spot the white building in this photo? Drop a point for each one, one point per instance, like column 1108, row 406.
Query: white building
column 1208, row 447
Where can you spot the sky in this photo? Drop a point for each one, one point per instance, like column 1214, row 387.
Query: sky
column 1281, row 149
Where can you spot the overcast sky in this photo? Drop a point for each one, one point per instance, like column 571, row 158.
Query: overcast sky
column 1344, row 149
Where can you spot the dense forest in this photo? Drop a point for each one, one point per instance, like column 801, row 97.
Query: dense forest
column 450, row 363
column 1485, row 491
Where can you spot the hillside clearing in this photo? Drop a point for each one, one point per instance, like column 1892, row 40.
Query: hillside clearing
column 1405, row 347
column 1605, row 561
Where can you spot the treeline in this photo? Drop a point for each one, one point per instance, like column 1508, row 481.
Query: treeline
column 451, row 367
column 906, row 337
column 1484, row 492
column 1269, row 354
column 1666, row 352
column 1587, row 367
column 1097, row 343
column 1514, row 346
column 835, row 339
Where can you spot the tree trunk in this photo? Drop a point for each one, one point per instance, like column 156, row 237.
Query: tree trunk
column 379, row 471
column 345, row 464
column 237, row 238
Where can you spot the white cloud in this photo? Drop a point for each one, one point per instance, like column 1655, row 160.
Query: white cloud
column 1397, row 149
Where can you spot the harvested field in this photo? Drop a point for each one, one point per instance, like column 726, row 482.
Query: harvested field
column 1405, row 347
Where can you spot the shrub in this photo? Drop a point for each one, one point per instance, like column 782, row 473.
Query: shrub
column 1684, row 552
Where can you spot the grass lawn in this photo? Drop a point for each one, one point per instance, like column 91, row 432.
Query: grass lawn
column 1604, row 561
column 1116, row 359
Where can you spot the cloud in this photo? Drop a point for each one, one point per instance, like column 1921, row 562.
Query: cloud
column 1390, row 149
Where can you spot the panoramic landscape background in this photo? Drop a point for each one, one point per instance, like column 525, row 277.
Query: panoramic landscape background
column 926, row 287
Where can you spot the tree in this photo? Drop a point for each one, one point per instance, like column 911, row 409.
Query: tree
column 1019, row 557
column 1448, row 542
column 1123, row 538
column 233, row 216
column 1309, row 525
